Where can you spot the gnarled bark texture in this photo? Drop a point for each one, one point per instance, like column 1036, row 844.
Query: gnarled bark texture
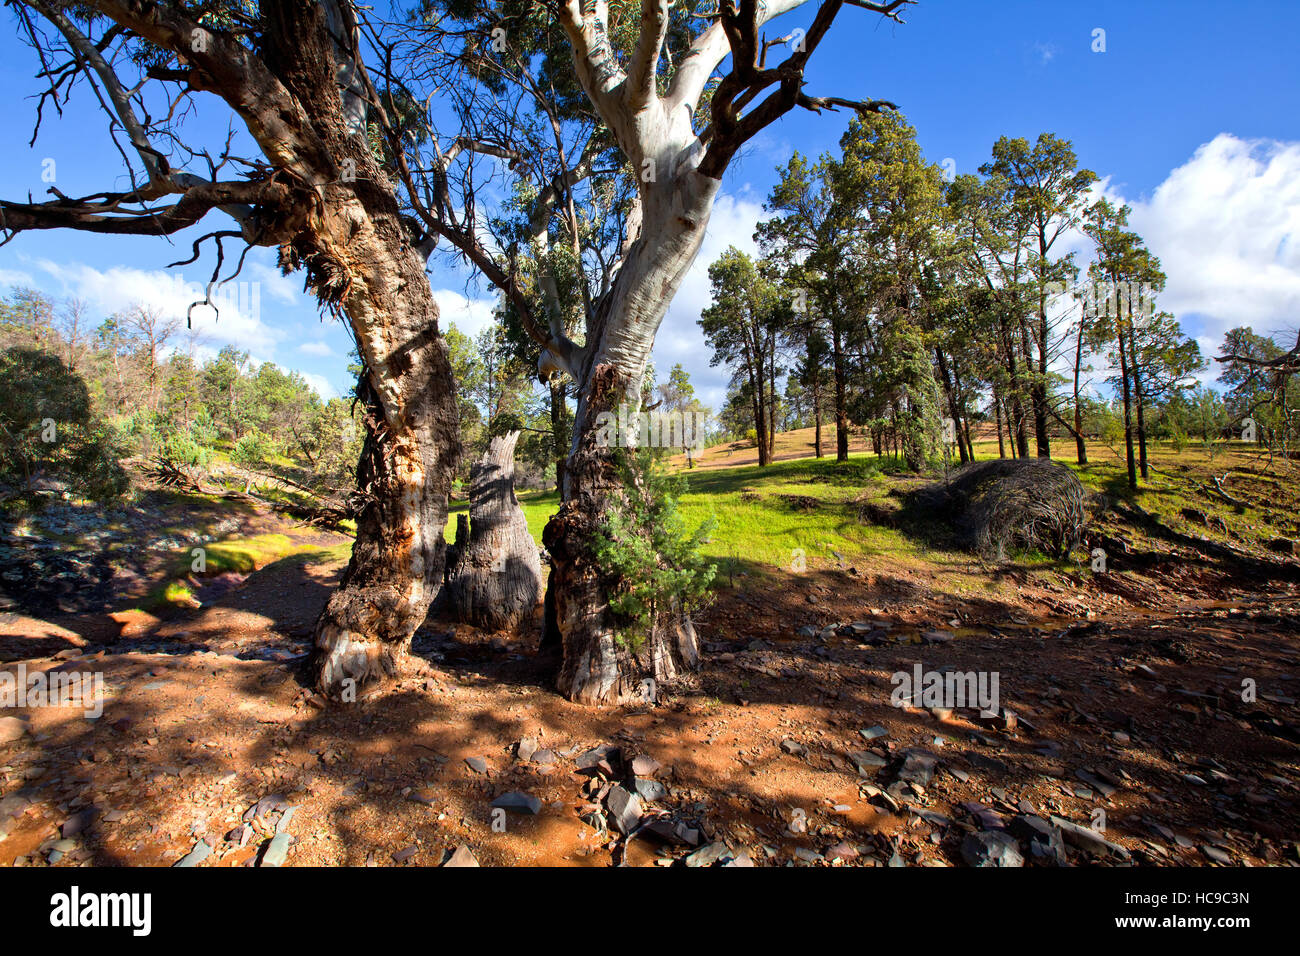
column 494, row 575
column 294, row 74
column 360, row 260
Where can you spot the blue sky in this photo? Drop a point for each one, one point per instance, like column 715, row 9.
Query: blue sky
column 1190, row 115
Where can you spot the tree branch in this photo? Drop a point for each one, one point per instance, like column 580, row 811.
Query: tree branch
column 594, row 60
column 643, row 70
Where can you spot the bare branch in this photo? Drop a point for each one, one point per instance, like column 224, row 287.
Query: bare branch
column 155, row 165
column 105, row 214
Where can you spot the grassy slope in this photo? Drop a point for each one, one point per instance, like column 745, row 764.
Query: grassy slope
column 764, row 514
column 765, row 518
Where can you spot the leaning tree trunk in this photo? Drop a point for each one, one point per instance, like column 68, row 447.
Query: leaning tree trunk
column 494, row 575
column 361, row 261
column 410, row 456
column 598, row 666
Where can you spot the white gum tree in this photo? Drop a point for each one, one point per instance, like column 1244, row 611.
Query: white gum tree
column 679, row 118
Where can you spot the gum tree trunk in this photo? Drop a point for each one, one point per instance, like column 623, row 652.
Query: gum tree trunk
column 360, row 261
column 598, row 667
column 494, row 576
column 680, row 170
column 410, row 455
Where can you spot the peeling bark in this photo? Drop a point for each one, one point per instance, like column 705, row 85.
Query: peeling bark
column 597, row 667
column 681, row 169
column 297, row 81
column 411, row 451
column 360, row 261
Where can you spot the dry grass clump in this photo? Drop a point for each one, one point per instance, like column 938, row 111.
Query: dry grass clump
column 995, row 506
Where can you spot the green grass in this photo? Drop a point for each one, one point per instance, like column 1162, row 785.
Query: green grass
column 758, row 529
column 1183, row 480
column 538, row 507
column 763, row 515
column 243, row 555
column 238, row 555
column 755, row 527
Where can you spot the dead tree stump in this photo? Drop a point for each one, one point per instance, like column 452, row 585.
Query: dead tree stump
column 494, row 574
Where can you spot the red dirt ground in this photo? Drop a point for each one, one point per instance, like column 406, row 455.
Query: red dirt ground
column 207, row 713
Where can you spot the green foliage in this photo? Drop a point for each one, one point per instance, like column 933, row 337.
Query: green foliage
column 252, row 450
column 156, row 401
column 1261, row 386
column 743, row 325
column 194, row 446
column 48, row 429
column 649, row 550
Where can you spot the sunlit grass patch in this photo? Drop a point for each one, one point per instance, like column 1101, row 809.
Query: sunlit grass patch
column 172, row 594
column 766, row 518
column 235, row 555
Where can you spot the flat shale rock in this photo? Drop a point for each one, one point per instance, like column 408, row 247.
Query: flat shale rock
column 917, row 766
column 624, row 809
column 1043, row 839
column 518, row 802
column 11, row 728
column 711, row 855
column 991, row 848
column 867, row 761
column 277, row 851
column 644, row 766
column 1089, row 840
column 196, row 856
column 649, row 790
column 461, row 857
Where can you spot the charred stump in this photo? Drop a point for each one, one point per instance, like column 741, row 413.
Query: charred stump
column 494, row 574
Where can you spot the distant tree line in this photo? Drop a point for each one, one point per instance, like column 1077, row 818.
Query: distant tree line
column 136, row 382
column 920, row 309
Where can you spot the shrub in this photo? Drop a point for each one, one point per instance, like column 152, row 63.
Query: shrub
column 649, row 551
column 48, row 431
column 252, row 450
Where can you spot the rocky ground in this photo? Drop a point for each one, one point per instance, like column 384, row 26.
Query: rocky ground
column 1147, row 716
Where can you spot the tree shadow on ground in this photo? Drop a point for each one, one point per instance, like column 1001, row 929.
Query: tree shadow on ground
column 355, row 769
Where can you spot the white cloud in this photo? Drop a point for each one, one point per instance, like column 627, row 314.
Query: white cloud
column 1226, row 226
column 471, row 316
column 237, row 318
column 277, row 285
column 13, row 277
column 320, row 385
column 321, row 349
